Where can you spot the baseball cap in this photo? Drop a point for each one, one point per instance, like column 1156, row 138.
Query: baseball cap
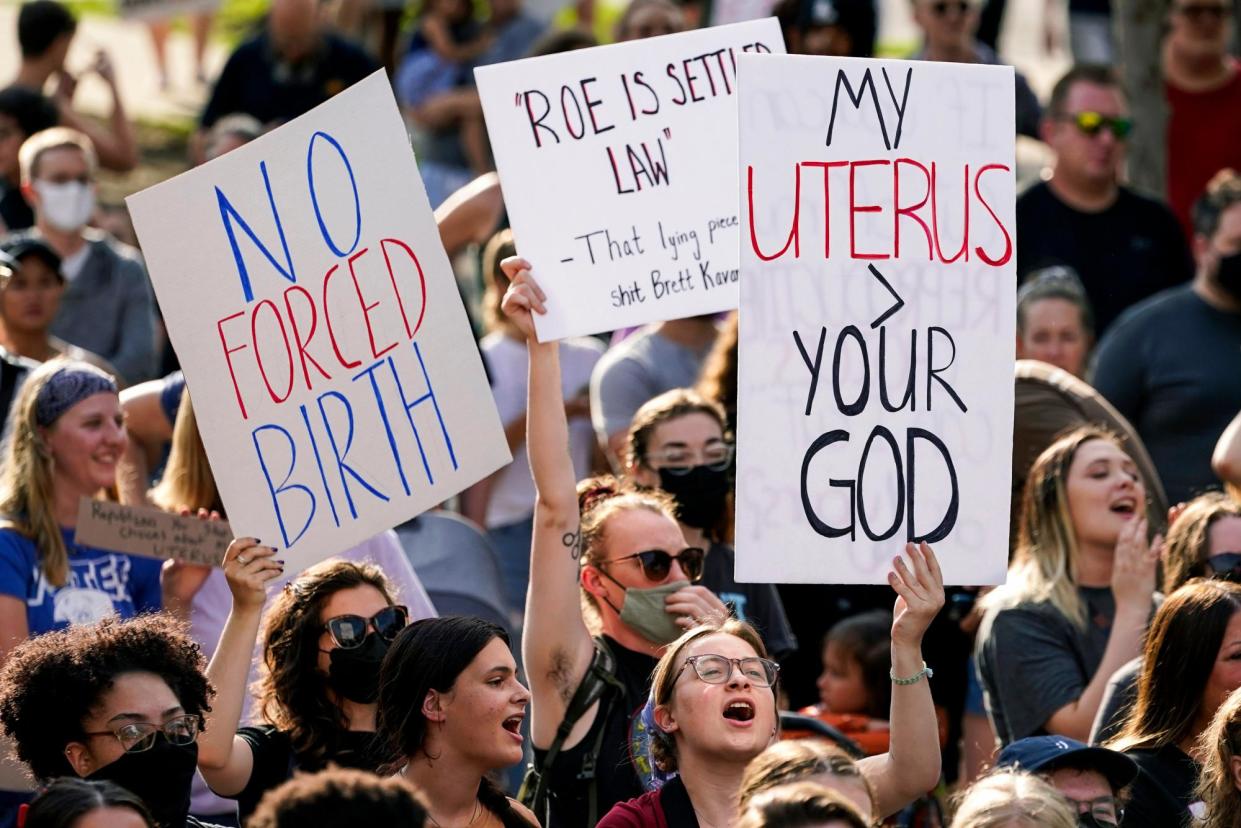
column 1044, row 754
column 20, row 245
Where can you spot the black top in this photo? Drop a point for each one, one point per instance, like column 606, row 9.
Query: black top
column 617, row 779
column 257, row 82
column 757, row 604
column 1172, row 366
column 14, row 211
column 1161, row 795
column 275, row 761
column 1123, row 254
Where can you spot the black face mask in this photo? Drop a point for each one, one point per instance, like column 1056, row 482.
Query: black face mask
column 354, row 673
column 1229, row 275
column 160, row 777
column 700, row 494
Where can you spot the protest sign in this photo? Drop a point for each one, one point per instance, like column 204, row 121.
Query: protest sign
column 151, row 532
column 877, row 317
column 334, row 373
column 617, row 166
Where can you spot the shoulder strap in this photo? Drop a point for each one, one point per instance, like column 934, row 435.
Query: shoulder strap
column 600, row 679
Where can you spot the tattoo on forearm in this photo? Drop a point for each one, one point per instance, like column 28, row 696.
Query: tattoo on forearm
column 573, row 542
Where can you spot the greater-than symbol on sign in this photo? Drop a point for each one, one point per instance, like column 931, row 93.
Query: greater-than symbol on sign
column 900, row 303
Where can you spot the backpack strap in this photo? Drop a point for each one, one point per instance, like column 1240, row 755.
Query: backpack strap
column 600, row 680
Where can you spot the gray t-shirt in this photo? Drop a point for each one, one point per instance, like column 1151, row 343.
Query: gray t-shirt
column 1032, row 660
column 643, row 366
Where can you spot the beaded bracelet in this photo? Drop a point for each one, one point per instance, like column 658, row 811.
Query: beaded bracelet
column 914, row 679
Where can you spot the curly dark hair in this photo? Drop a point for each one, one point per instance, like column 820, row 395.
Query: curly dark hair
column 292, row 693
column 340, row 798
column 50, row 683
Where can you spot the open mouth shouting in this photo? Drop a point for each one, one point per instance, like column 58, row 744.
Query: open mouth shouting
column 1125, row 506
column 512, row 725
column 739, row 711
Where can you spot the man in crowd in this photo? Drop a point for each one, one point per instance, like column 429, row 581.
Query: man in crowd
column 1204, row 100
column 23, row 112
column 289, row 68
column 1092, row 779
column 13, row 368
column 1124, row 246
column 948, row 29
column 45, row 31
column 107, row 306
column 1172, row 364
column 658, row 359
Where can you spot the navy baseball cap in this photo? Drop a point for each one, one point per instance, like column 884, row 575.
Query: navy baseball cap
column 1044, row 754
column 20, row 245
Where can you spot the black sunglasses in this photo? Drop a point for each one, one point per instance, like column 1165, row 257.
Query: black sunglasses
column 1226, row 566
column 349, row 631
column 656, row 563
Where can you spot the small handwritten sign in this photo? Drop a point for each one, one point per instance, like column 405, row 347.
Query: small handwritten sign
column 151, row 532
column 619, row 173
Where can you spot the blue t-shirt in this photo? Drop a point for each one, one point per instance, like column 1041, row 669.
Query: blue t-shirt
column 100, row 583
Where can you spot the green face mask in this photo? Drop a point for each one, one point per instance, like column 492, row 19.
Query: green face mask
column 643, row 611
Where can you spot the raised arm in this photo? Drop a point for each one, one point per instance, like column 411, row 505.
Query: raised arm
column 911, row 766
column 556, row 645
column 224, row 758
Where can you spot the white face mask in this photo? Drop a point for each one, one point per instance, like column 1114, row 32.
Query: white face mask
column 67, row 206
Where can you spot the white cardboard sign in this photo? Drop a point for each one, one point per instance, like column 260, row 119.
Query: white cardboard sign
column 877, row 317
column 617, row 165
column 334, row 374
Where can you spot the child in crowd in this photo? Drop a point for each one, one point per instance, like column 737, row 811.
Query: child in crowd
column 432, row 82
column 855, row 690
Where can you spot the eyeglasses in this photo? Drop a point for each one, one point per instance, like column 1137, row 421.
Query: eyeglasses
column 717, row 456
column 940, row 8
column 1092, row 123
column 1226, row 566
column 656, row 563
column 135, row 737
column 1103, row 812
column 349, row 631
column 716, row 669
column 1199, row 12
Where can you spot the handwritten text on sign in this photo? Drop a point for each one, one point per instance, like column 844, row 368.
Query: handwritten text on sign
column 877, row 317
column 333, row 370
column 145, row 530
column 617, row 164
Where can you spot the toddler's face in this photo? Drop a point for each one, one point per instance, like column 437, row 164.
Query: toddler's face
column 841, row 688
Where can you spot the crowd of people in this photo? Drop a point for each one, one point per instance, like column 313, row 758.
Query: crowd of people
column 564, row 644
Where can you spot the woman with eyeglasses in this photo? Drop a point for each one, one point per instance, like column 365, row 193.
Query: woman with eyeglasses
column 451, row 706
column 1191, row 664
column 120, row 701
column 1080, row 590
column 713, row 710
column 616, row 559
column 325, row 637
column 679, row 444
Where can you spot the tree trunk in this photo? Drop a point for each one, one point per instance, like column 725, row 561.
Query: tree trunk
column 1139, row 28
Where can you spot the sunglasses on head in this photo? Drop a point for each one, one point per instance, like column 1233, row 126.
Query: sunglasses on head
column 1226, row 566
column 656, row 563
column 941, row 8
column 1092, row 123
column 349, row 631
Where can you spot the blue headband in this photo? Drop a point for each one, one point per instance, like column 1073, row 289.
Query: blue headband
column 68, row 387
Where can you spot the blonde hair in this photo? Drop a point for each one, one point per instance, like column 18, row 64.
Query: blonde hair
column 797, row 760
column 27, row 496
column 663, row 747
column 1219, row 744
column 800, row 805
column 50, row 139
column 1044, row 567
column 1187, row 545
column 1011, row 796
column 187, row 481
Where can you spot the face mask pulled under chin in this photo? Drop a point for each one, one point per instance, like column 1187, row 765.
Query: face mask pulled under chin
column 643, row 612
column 68, row 206
column 160, row 776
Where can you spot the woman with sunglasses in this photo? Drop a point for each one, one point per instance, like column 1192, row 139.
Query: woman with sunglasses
column 119, row 701
column 325, row 637
column 623, row 551
column 679, row 444
column 451, row 706
column 1191, row 664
